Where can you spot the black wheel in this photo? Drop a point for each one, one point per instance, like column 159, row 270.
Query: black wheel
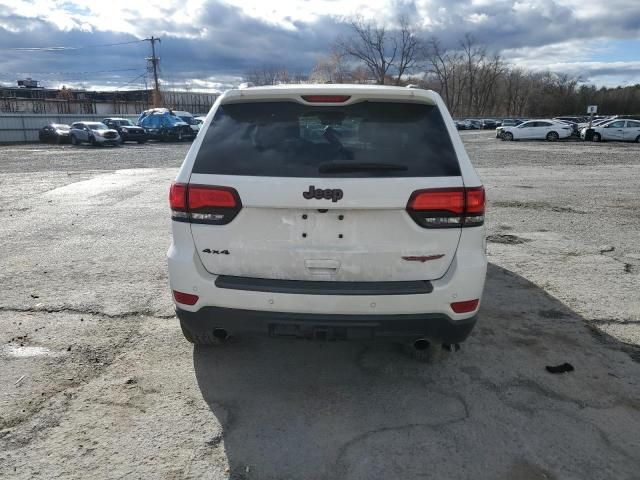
column 58, row 139
column 74, row 140
column 508, row 136
column 596, row 137
column 552, row 136
column 638, row 139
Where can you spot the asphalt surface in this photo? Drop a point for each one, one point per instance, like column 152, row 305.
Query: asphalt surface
column 96, row 377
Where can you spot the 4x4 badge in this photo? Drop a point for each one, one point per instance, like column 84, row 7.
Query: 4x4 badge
column 334, row 194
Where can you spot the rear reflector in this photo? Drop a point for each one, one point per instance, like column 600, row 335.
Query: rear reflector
column 203, row 203
column 185, row 298
column 465, row 307
column 447, row 207
column 326, row 98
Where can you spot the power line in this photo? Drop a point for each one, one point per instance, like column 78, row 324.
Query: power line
column 131, row 81
column 65, row 48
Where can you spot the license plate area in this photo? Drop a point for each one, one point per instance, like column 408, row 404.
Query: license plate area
column 320, row 332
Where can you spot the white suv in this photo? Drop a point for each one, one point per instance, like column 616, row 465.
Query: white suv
column 328, row 211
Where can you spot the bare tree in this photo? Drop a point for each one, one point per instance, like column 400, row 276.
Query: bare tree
column 267, row 75
column 388, row 54
column 410, row 50
column 371, row 44
column 447, row 68
column 330, row 69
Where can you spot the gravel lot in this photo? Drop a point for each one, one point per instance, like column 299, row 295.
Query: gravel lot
column 96, row 377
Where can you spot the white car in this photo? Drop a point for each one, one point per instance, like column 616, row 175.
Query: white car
column 95, row 133
column 550, row 130
column 620, row 130
column 328, row 212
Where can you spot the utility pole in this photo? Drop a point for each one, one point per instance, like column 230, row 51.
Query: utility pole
column 155, row 61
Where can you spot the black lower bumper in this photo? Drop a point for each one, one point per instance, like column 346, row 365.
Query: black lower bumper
column 202, row 323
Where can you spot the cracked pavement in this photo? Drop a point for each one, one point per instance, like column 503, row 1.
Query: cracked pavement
column 96, row 377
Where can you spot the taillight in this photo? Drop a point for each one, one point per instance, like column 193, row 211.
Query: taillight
column 447, row 207
column 203, row 203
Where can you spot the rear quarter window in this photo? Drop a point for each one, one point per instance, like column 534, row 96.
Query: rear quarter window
column 288, row 139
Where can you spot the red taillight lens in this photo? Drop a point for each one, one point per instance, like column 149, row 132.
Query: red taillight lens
column 475, row 201
column 326, row 98
column 185, row 298
column 447, row 207
column 438, row 200
column 178, row 196
column 203, row 203
column 466, row 306
column 201, row 196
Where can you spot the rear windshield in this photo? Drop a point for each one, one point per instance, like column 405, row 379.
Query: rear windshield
column 287, row 139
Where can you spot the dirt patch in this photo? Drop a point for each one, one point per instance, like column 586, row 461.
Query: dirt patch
column 537, row 206
column 506, row 239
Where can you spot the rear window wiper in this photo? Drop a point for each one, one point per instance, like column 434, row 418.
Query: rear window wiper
column 334, row 167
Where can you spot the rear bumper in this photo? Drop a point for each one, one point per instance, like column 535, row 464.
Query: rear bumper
column 349, row 327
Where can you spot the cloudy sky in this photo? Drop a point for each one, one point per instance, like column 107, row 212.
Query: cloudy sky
column 208, row 44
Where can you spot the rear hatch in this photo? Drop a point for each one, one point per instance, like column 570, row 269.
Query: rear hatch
column 317, row 190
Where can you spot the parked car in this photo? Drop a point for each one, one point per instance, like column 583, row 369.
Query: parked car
column 126, row 129
column 95, row 133
column 507, row 122
column 200, row 121
column 473, row 124
column 165, row 126
column 537, row 130
column 460, row 125
column 617, row 130
column 54, row 132
column 574, row 126
column 308, row 258
column 488, row 124
column 189, row 119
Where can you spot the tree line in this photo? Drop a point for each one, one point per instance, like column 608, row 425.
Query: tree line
column 472, row 81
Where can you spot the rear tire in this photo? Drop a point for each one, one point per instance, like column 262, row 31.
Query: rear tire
column 507, row 136
column 552, row 136
column 92, row 141
column 638, row 139
column 596, row 137
column 74, row 140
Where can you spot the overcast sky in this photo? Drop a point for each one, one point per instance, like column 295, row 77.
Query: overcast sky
column 210, row 43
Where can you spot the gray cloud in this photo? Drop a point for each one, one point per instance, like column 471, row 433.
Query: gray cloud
column 223, row 42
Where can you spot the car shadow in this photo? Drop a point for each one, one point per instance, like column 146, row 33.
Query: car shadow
column 297, row 409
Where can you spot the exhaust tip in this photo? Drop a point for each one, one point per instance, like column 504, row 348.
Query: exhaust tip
column 220, row 333
column 421, row 344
